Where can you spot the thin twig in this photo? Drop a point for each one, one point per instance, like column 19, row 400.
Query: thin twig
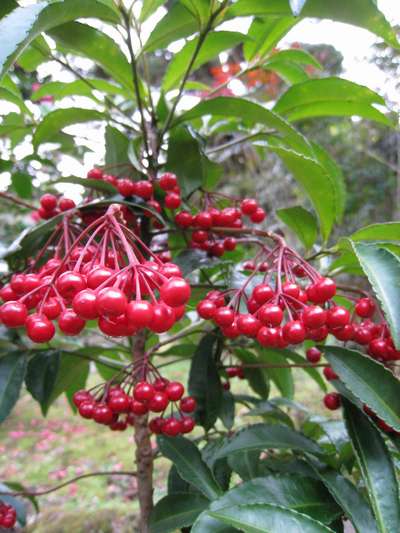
column 17, row 201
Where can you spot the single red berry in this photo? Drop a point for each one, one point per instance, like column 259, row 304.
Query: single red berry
column 70, row 323
column 95, row 174
column 159, row 402
column 13, row 314
column 175, row 292
column 345, row 333
column 378, row 348
column 329, row 373
column 294, row 332
column 160, row 384
column 183, row 219
column 102, row 414
column 314, row 316
column 39, row 329
column 203, row 220
column 291, row 289
column 188, row 404
column 338, row 317
column 230, row 244
column 163, row 318
column 144, row 391
column 140, row 313
column 125, row 187
column 81, row 396
column 138, row 408
column 268, row 337
column 84, row 304
column 174, row 391
column 65, row 204
column 120, row 403
column 187, row 424
column 98, row 276
column 70, row 283
column 271, row 315
column 111, row 302
column 325, row 289
column 313, row 355
column 362, row 335
column 224, row 316
column 206, row 309
column 172, row 200
column 199, row 236
column 171, row 270
column 365, row 307
column 52, row 308
column 248, row 325
column 86, row 408
column 7, row 294
column 172, row 427
column 48, row 202
column 248, row 206
column 262, row 293
column 168, row 181
column 144, row 189
column 156, row 425
column 216, row 297
column 332, row 401
column 258, row 216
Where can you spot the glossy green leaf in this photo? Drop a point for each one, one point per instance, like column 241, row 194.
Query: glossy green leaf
column 330, row 97
column 376, row 466
column 204, row 381
column 263, row 436
column 302, row 222
column 16, row 99
column 24, row 24
column 299, row 493
column 282, row 377
column 117, row 143
column 214, row 44
column 72, row 375
column 270, row 411
column 310, row 370
column 200, row 9
column 12, row 374
column 22, row 184
column 369, row 381
column 257, row 377
column 41, row 376
column 6, row 6
column 187, row 459
column 56, row 120
column 362, row 13
column 265, row 33
column 384, row 232
column 349, row 499
column 227, row 412
column 93, row 44
column 245, row 464
column 382, row 269
column 300, row 57
column 289, row 72
column 148, row 8
column 251, row 113
column 36, row 53
column 265, row 518
column 59, row 89
column 178, row 22
column 176, row 511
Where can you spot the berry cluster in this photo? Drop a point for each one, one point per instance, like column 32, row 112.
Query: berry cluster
column 117, row 405
column 8, row 516
column 102, row 274
column 51, row 206
column 207, row 224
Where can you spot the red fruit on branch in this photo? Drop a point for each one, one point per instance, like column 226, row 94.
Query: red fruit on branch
column 332, row 401
column 13, row 314
column 175, row 292
column 313, row 355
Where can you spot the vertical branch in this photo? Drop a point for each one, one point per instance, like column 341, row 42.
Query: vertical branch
column 144, row 453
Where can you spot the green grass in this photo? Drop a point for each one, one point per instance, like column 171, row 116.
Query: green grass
column 41, row 452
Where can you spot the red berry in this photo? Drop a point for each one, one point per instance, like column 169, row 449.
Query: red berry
column 262, row 293
column 163, row 318
column 216, row 297
column 313, row 355
column 111, row 302
column 70, row 323
column 188, row 404
column 206, row 309
column 258, row 216
column 168, row 181
column 291, row 289
column 325, row 289
column 125, row 187
column 362, row 335
column 314, row 316
column 183, row 219
column 70, row 283
column 187, row 424
column 345, row 333
column 171, row 427
column 365, row 307
column 203, row 219
column 271, row 315
column 224, row 316
column 268, row 336
column 119, row 403
column 159, row 402
column 13, row 314
column 144, row 189
column 48, row 202
column 293, row 332
column 329, row 373
column 7, row 294
column 65, row 204
column 199, row 236
column 144, row 391
column 174, row 391
column 175, row 292
column 95, row 174
column 98, row 276
column 248, row 206
column 160, row 384
column 84, row 304
column 81, row 396
column 102, row 414
column 332, row 401
column 248, row 325
column 230, row 244
column 156, row 425
column 172, row 200
column 138, row 408
column 52, row 308
column 378, row 348
column 140, row 313
column 338, row 317
column 39, row 329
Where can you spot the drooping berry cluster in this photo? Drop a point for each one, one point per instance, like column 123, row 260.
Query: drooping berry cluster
column 116, row 406
column 105, row 273
column 8, row 516
column 51, row 205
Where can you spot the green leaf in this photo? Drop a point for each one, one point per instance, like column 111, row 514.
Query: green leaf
column 363, row 13
column 296, row 6
column 56, row 120
column 245, row 464
column 201, row 9
column 382, row 269
column 36, row 53
column 59, row 89
column 116, row 150
column 187, row 459
column 257, row 377
column 384, row 232
column 292, row 491
column 227, row 413
column 24, row 24
column 214, row 44
column 268, row 410
column 263, row 436
column 176, row 511
column 302, row 222
column 330, row 97
column 350, row 499
column 251, row 113
column 265, row 518
column 300, row 57
column 91, row 43
column 265, row 33
column 282, row 377
column 289, row 72
column 72, row 375
column 376, row 466
column 12, row 374
column 148, row 8
column 41, row 376
column 369, row 381
column 22, row 184
column 14, row 98
column 204, row 381
column 178, row 22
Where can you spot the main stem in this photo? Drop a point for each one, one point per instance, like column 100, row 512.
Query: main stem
column 144, row 453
